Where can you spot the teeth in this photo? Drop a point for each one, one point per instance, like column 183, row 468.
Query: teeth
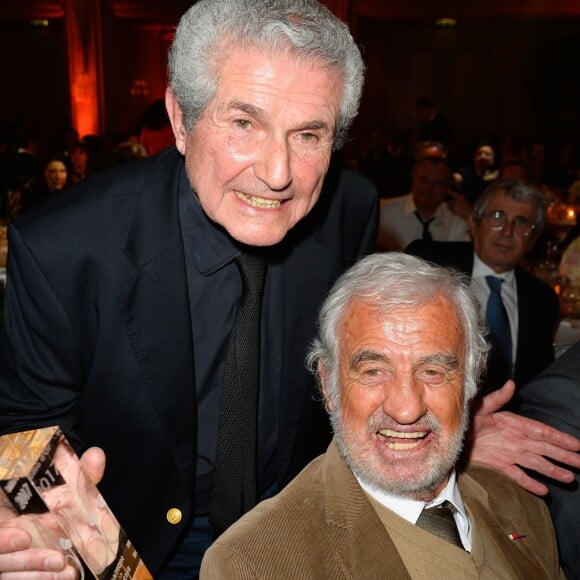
column 401, row 435
column 258, row 201
column 400, row 446
column 417, row 436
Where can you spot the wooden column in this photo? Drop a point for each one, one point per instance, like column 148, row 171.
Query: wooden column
column 85, row 57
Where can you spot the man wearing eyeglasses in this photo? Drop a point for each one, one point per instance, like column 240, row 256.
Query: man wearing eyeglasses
column 521, row 311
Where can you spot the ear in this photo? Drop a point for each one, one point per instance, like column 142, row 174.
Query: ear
column 323, row 374
column 176, row 118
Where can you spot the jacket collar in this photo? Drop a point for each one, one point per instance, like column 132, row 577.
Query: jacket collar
column 365, row 544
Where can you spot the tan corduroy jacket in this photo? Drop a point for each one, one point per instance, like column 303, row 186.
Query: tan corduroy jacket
column 323, row 526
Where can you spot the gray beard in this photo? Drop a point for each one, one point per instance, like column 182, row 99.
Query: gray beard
column 422, row 489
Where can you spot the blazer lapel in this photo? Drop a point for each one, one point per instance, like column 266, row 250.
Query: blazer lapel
column 363, row 548
column 516, row 556
column 155, row 306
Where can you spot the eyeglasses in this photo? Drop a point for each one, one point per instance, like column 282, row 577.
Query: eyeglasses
column 498, row 220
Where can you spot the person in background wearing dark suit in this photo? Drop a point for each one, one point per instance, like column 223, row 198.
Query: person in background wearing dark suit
column 399, row 352
column 506, row 221
column 554, row 398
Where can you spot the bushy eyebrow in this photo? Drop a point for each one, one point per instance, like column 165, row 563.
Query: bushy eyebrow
column 258, row 113
column 447, row 360
column 247, row 108
column 444, row 359
column 366, row 356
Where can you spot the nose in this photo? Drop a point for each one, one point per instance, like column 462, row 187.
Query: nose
column 508, row 227
column 404, row 400
column 272, row 166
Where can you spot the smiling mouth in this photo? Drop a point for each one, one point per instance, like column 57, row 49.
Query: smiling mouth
column 398, row 441
column 260, row 202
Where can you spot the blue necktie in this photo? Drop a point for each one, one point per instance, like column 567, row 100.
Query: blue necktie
column 499, row 325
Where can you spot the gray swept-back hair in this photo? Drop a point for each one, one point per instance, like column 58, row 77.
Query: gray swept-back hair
column 518, row 191
column 211, row 29
column 391, row 282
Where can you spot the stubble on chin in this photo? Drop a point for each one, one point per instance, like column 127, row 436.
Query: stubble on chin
column 413, row 480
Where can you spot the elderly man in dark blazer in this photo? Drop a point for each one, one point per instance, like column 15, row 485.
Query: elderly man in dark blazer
column 506, row 221
column 122, row 295
column 399, row 354
column 102, row 311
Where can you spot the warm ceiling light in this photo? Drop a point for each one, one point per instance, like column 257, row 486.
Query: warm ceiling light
column 39, row 23
column 445, row 22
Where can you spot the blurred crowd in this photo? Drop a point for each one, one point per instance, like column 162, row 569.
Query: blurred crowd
column 31, row 173
column 390, row 158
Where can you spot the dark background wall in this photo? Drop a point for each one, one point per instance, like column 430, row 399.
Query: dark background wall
column 492, row 72
column 517, row 76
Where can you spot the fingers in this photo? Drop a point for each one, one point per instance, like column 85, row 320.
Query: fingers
column 12, row 539
column 536, row 431
column 18, row 561
column 553, row 452
column 67, row 574
column 523, row 439
column 34, row 563
column 93, row 461
column 525, row 481
column 556, row 437
column 539, row 464
column 497, row 399
column 509, row 442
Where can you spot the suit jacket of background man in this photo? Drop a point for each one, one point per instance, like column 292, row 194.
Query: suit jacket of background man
column 538, row 311
column 554, row 398
column 323, row 525
column 97, row 335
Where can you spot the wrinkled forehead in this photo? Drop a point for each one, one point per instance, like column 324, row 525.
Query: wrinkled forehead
column 430, row 312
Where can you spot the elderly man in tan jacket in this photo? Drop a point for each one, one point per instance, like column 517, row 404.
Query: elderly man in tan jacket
column 399, row 355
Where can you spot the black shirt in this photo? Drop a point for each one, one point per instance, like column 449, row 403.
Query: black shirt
column 215, row 287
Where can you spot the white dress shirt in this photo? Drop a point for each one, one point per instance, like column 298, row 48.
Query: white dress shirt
column 399, row 225
column 509, row 295
column 410, row 509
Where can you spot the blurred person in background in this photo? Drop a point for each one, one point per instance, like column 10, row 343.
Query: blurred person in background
column 472, row 179
column 53, row 178
column 78, row 155
column 423, row 213
column 155, row 132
